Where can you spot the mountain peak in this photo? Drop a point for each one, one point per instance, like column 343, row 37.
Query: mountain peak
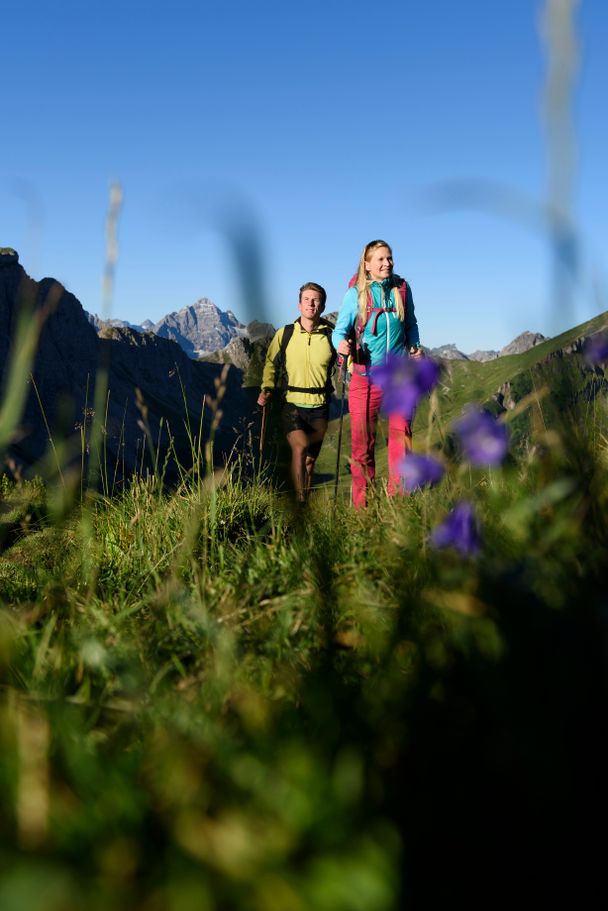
column 449, row 353
column 8, row 256
column 523, row 342
column 199, row 327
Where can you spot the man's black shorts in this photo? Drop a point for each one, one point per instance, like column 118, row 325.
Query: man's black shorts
column 313, row 421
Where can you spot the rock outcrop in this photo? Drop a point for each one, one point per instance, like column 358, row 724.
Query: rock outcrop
column 172, row 386
column 522, row 343
column 448, row 353
column 483, row 356
column 8, row 256
column 100, row 325
column 257, row 331
column 237, row 352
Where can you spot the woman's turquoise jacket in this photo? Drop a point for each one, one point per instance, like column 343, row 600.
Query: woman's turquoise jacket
column 392, row 335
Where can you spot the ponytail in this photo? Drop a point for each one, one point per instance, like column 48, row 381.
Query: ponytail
column 363, row 282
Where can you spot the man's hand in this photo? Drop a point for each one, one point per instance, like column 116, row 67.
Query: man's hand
column 417, row 354
column 344, row 347
column 263, row 398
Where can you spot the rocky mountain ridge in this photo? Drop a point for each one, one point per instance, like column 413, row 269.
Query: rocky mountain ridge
column 60, row 390
column 202, row 330
column 523, row 342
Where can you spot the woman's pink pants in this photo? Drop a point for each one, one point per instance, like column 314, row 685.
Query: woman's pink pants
column 364, row 401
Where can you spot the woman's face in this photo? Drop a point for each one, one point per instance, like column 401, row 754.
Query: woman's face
column 380, row 264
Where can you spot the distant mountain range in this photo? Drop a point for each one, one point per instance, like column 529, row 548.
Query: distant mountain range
column 204, row 332
column 522, row 343
column 200, row 329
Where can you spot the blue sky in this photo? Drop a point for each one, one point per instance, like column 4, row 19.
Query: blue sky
column 322, row 126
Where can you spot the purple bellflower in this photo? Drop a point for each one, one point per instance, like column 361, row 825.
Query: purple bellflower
column 484, row 441
column 404, row 381
column 595, row 348
column 420, row 470
column 458, row 530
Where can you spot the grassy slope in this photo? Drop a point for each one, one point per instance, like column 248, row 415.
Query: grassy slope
column 464, row 382
column 475, row 382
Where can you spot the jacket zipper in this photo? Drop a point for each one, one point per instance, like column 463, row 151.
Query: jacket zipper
column 308, row 360
column 387, row 322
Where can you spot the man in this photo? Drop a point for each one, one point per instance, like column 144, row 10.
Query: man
column 302, row 356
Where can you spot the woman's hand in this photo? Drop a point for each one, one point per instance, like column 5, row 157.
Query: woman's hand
column 416, row 353
column 263, row 398
column 344, row 347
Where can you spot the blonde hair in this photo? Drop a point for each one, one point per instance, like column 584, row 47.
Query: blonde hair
column 363, row 282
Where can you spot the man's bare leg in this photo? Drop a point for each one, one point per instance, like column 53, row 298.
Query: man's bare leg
column 298, row 442
column 309, row 467
column 315, row 441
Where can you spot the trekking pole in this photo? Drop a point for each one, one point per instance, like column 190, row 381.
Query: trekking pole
column 342, row 376
column 262, row 435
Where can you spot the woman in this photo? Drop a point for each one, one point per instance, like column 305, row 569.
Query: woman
column 376, row 320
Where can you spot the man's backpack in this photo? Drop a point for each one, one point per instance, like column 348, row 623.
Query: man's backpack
column 326, row 328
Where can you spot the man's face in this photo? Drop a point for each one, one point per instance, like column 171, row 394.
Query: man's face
column 310, row 305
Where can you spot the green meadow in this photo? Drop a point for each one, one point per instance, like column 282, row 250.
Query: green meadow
column 213, row 700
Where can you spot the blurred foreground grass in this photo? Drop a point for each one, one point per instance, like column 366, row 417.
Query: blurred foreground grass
column 212, row 701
